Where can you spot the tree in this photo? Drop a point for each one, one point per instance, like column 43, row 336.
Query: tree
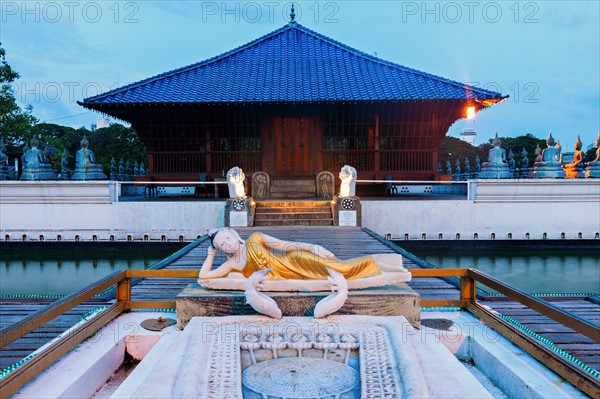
column 14, row 121
column 452, row 149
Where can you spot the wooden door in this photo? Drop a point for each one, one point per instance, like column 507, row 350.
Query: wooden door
column 293, row 146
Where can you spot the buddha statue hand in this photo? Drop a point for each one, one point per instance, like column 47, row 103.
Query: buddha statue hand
column 259, row 301
column 333, row 302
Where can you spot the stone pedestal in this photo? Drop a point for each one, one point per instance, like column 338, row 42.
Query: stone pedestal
column 4, row 172
column 239, row 212
column 393, row 300
column 491, row 170
column 89, row 172
column 39, row 172
column 548, row 170
column 347, row 211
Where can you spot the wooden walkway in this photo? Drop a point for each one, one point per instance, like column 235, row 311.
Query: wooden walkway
column 345, row 243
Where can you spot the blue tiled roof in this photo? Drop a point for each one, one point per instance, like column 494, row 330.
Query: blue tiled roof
column 291, row 64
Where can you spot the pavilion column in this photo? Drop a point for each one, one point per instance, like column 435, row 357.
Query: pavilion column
column 150, row 163
column 208, row 158
column 376, row 145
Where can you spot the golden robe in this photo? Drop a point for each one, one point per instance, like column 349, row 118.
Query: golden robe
column 302, row 265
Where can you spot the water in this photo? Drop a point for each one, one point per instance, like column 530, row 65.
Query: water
column 539, row 270
column 51, row 271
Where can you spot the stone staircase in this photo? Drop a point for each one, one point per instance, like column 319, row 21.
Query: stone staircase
column 293, row 213
column 293, row 189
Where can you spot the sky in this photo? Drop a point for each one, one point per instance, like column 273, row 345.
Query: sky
column 544, row 54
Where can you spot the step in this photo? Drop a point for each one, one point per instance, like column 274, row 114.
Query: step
column 296, row 222
column 293, row 183
column 290, row 204
column 283, row 216
column 293, row 209
column 292, row 194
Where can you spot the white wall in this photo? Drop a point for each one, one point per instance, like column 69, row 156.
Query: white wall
column 498, row 206
column 155, row 219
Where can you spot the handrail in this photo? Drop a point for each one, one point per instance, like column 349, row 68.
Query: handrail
column 35, row 320
column 568, row 319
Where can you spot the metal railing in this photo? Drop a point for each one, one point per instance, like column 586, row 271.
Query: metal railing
column 466, row 300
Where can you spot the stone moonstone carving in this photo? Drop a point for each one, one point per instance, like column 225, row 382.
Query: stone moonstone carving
column 301, row 377
column 549, row 167
column 35, row 166
column 348, row 178
column 235, row 183
column 574, row 170
column 593, row 169
column 496, row 167
column 85, row 166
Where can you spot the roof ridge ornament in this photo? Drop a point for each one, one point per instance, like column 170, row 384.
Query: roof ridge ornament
column 292, row 14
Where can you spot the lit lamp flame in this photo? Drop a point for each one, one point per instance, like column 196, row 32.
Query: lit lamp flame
column 470, row 112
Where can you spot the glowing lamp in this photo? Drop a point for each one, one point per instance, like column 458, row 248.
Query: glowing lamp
column 470, row 112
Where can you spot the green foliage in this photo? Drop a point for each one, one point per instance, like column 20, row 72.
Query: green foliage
column 118, row 141
column 452, row 149
column 14, row 122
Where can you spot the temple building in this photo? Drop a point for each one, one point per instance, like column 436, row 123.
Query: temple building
column 293, row 103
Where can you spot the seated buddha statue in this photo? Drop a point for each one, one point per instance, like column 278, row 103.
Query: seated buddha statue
column 496, row 167
column 593, row 169
column 549, row 166
column 574, row 170
column 85, row 166
column 35, row 166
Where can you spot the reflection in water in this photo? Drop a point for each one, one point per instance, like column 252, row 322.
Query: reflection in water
column 61, row 272
column 547, row 271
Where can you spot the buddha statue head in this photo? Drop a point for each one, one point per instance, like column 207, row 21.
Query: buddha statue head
column 84, row 142
column 577, row 144
column 550, row 141
column 496, row 142
column 34, row 142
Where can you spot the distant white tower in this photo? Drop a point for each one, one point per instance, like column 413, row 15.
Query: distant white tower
column 102, row 122
column 469, row 135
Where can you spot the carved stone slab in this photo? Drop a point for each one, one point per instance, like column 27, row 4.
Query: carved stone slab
column 392, row 300
column 228, row 357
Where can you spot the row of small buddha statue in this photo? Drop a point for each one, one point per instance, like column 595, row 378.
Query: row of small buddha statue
column 125, row 171
column 547, row 164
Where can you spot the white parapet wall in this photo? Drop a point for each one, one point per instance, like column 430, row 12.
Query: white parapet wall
column 497, row 209
column 72, row 211
column 494, row 209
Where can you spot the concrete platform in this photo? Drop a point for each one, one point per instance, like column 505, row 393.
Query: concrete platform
column 392, row 300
